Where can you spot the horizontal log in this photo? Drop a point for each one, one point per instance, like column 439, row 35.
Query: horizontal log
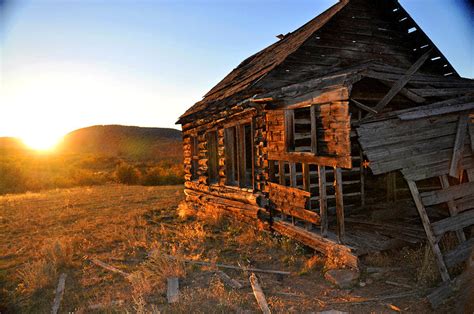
column 310, row 158
column 453, row 223
column 233, row 193
column 451, row 193
column 323, row 245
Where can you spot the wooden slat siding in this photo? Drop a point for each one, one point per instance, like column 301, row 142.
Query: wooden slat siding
column 429, row 233
column 448, row 194
column 461, row 253
column 454, row 170
column 322, row 200
column 465, row 203
column 453, row 211
column 289, row 130
column 339, row 204
column 314, row 137
column 402, row 81
column 454, row 223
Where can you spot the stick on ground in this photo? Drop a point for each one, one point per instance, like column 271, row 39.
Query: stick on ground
column 59, row 293
column 234, row 284
column 108, row 267
column 259, row 295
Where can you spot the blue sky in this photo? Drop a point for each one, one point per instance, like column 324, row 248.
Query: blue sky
column 67, row 64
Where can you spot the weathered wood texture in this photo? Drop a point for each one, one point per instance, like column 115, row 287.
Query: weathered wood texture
column 421, row 148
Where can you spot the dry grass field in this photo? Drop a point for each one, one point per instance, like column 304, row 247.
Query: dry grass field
column 60, row 231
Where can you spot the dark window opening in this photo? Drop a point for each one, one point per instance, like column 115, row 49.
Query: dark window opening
column 194, row 158
column 213, row 165
column 301, row 130
column 239, row 155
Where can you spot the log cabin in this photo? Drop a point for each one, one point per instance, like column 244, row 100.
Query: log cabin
column 351, row 134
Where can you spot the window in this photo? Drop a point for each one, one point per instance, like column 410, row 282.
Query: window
column 194, row 158
column 239, row 155
column 213, row 165
column 301, row 130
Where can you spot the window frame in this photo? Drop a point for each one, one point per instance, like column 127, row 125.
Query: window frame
column 212, row 140
column 289, row 130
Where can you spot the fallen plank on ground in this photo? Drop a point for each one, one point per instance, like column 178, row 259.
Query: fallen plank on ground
column 109, row 267
column 259, row 295
column 59, row 293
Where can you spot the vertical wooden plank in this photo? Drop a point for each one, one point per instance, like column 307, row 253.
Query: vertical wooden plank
column 172, row 291
column 292, row 182
column 307, row 187
column 292, row 174
column 323, row 200
column 289, row 130
column 314, row 137
column 361, row 167
column 454, row 170
column 252, row 136
column 282, row 179
column 281, row 172
column 429, row 233
column 452, row 207
column 470, row 175
column 339, row 204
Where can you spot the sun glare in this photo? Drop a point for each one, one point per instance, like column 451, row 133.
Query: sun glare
column 41, row 142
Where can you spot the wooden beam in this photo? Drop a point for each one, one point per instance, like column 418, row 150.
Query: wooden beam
column 429, row 233
column 402, row 81
column 450, row 193
column 323, row 200
column 292, row 174
column 458, row 150
column 307, row 187
column 339, row 204
column 407, row 93
column 430, row 111
column 452, row 207
column 364, row 107
column 454, row 223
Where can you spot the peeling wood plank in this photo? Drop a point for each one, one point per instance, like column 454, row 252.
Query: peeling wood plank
column 458, row 151
column 339, row 204
column 402, row 82
column 234, row 284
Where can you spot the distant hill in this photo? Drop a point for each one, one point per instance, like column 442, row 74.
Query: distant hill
column 11, row 145
column 133, row 142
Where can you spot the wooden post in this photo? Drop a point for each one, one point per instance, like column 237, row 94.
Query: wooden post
column 323, row 200
column 289, row 130
column 282, row 179
column 339, row 204
column 361, row 168
column 314, row 137
column 292, row 182
column 307, row 187
column 429, row 233
column 452, row 207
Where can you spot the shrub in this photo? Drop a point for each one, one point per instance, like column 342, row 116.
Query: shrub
column 126, row 174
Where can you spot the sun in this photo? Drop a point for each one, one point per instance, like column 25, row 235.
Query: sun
column 41, row 142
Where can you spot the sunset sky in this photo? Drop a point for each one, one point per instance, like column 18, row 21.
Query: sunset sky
column 70, row 64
